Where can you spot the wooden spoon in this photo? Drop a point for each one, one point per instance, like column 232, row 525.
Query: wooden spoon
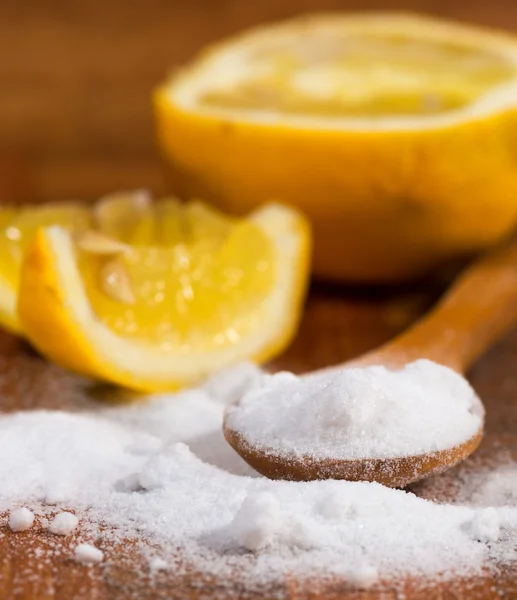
column 480, row 306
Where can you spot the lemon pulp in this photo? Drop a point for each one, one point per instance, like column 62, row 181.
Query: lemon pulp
column 191, row 270
column 18, row 226
column 327, row 74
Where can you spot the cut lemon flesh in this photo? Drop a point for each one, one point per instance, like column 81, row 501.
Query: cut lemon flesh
column 17, row 229
column 363, row 76
column 190, row 291
column 363, row 67
column 208, row 271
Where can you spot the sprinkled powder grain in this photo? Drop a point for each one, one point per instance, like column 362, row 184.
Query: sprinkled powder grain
column 485, row 525
column 63, row 524
column 88, row 554
column 21, row 519
column 158, row 564
column 161, row 475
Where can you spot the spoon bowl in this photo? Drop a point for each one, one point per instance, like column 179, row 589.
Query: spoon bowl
column 479, row 307
column 391, row 472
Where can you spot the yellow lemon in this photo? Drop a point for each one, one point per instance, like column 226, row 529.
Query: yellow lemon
column 17, row 229
column 396, row 134
column 162, row 294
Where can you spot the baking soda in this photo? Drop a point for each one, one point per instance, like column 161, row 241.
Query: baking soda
column 158, row 564
column 63, row 524
column 21, row 519
column 485, row 525
column 88, row 554
column 368, row 412
column 159, row 475
column 257, row 522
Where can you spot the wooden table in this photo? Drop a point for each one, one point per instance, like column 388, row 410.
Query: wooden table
column 75, row 121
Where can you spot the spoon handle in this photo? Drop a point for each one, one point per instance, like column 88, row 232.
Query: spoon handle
column 480, row 306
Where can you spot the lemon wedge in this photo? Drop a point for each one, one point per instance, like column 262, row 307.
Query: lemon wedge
column 161, row 294
column 17, row 229
column 394, row 133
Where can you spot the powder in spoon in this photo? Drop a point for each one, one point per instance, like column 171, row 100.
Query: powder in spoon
column 367, row 412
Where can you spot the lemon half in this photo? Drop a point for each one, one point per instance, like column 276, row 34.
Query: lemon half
column 395, row 133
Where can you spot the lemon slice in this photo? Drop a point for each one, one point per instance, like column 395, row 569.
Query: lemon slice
column 17, row 228
column 391, row 131
column 162, row 294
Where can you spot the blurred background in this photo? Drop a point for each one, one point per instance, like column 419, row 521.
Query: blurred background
column 77, row 76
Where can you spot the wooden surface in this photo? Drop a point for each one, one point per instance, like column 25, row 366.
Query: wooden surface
column 76, row 121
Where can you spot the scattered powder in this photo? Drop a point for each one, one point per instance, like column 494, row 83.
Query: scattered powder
column 160, row 476
column 88, row 554
column 368, row 412
column 488, row 483
column 63, row 523
column 485, row 525
column 335, row 506
column 257, row 522
column 497, row 487
column 44, row 523
column 21, row 519
column 158, row 564
column 365, row 576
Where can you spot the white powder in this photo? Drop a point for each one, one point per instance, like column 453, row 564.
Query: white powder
column 160, row 474
column 369, row 412
column 365, row 575
column 63, row 523
column 496, row 487
column 257, row 522
column 88, row 554
column 335, row 506
column 158, row 564
column 488, row 482
column 21, row 519
column 485, row 525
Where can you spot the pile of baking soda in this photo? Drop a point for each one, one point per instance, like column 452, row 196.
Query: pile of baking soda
column 354, row 413
column 159, row 473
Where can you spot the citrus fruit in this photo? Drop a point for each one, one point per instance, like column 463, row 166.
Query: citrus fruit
column 162, row 294
column 17, row 228
column 396, row 134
